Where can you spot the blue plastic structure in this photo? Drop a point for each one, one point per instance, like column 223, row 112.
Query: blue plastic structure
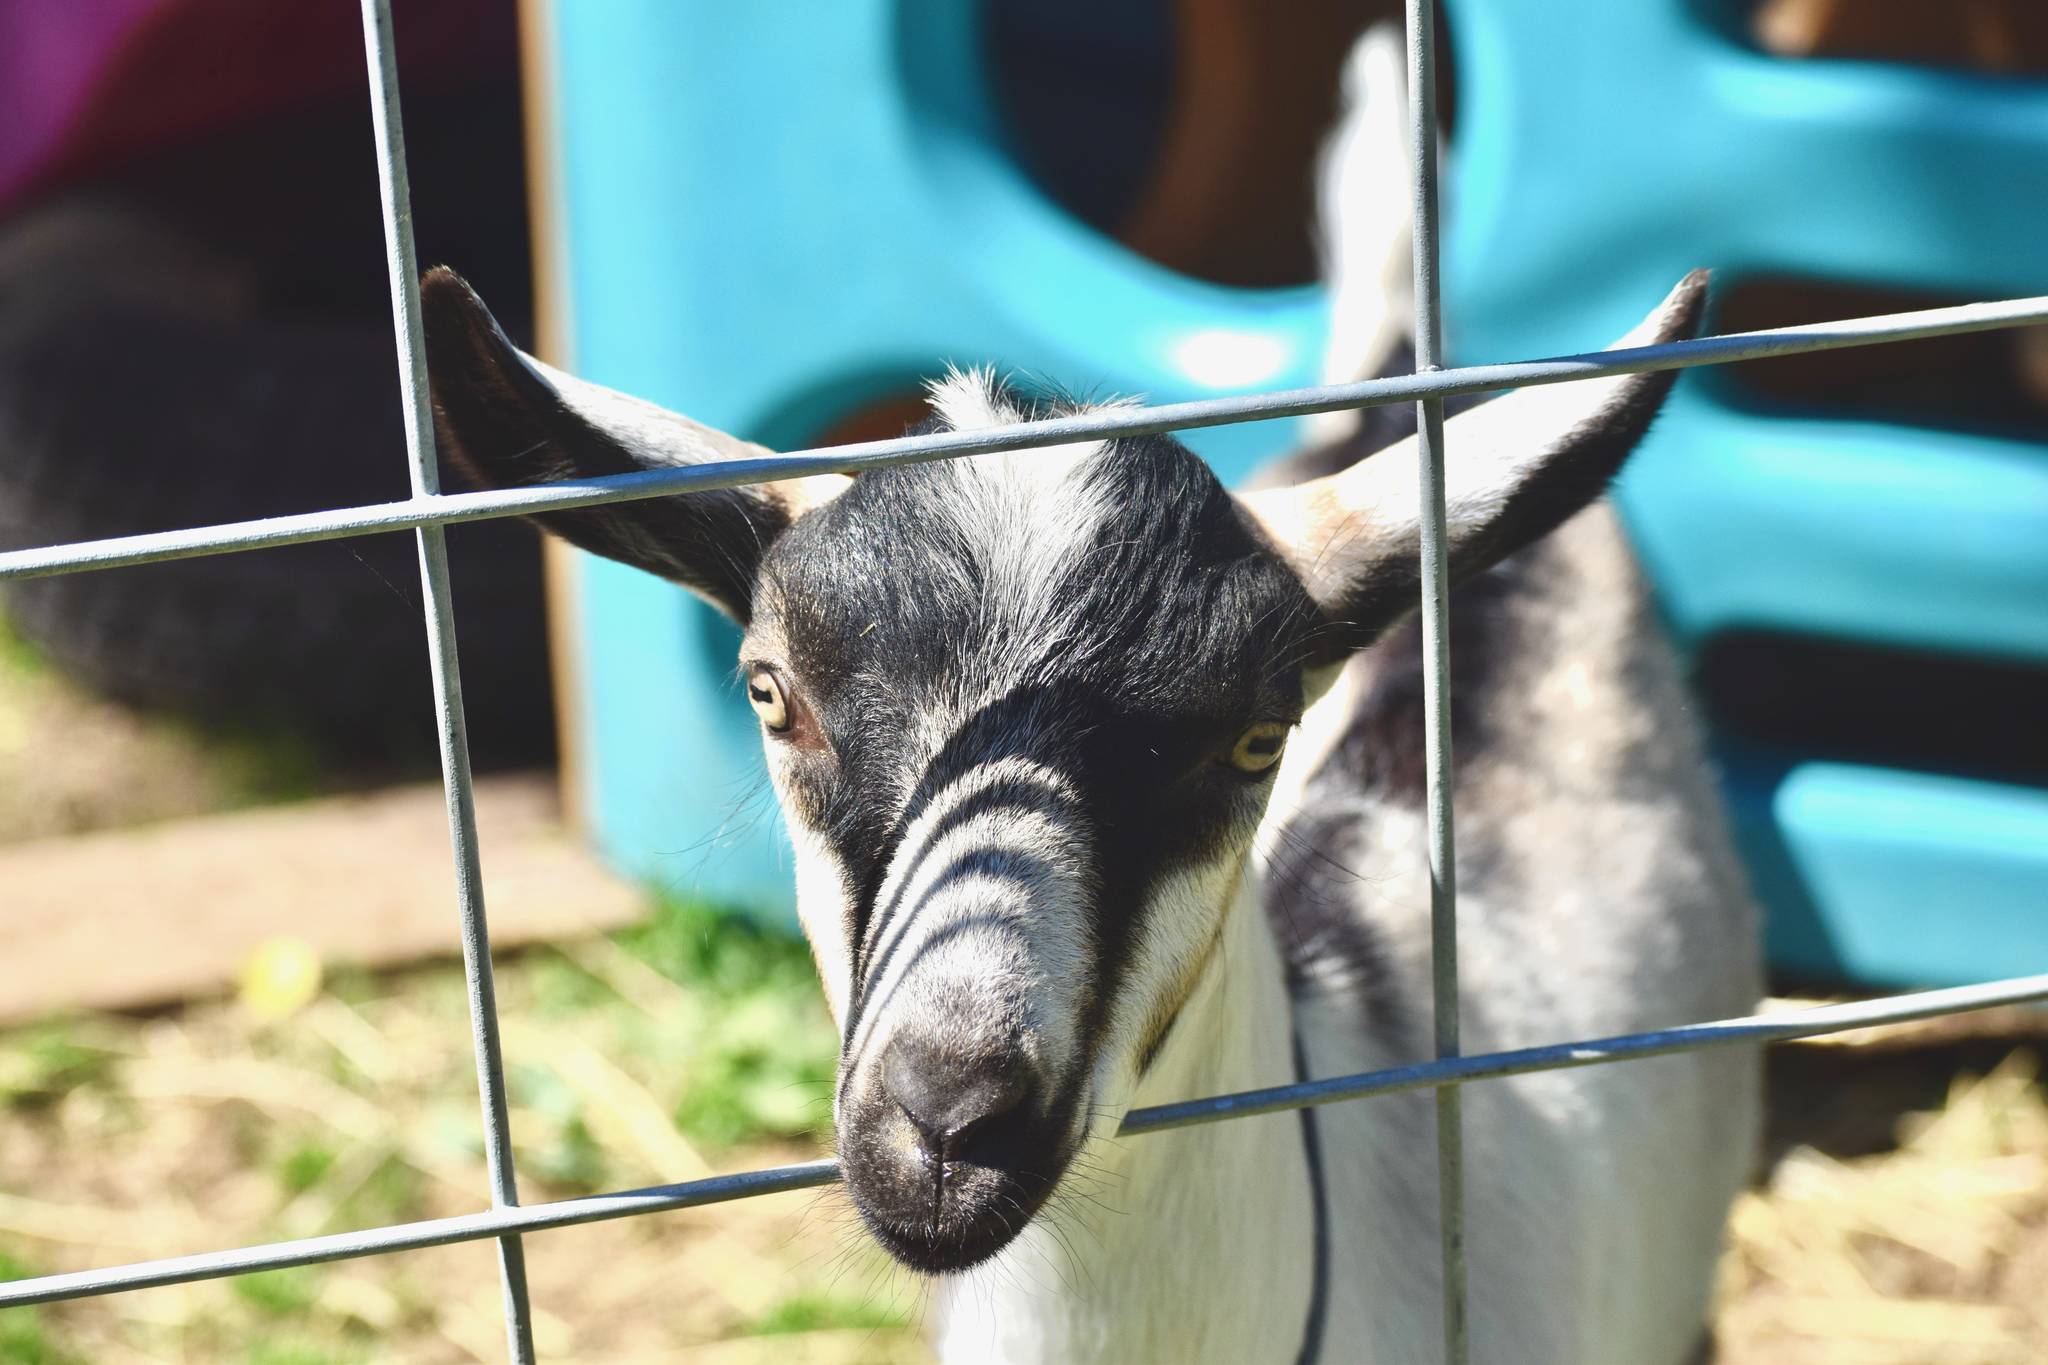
column 1604, row 149
column 776, row 213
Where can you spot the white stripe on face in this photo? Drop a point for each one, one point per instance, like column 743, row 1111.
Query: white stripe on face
column 1181, row 934
column 981, row 928
column 1033, row 516
column 823, row 906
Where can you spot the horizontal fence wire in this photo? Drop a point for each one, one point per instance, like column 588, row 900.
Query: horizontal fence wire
column 1777, row 1026
column 445, row 509
column 428, row 510
column 442, row 509
column 450, row 508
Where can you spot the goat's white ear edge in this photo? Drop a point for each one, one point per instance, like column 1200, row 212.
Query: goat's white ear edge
column 649, row 436
column 1515, row 469
column 509, row 420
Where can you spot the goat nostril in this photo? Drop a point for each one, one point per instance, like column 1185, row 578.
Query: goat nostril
column 950, row 1103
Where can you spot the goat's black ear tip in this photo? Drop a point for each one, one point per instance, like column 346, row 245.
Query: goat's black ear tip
column 445, row 294
column 460, row 328
column 1692, row 290
column 441, row 277
column 1684, row 310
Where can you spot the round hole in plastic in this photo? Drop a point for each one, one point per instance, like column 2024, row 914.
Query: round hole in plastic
column 880, row 419
column 1994, row 37
column 1993, row 382
column 1186, row 129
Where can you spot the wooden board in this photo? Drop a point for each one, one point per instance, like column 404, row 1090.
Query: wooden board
column 146, row 916
column 552, row 343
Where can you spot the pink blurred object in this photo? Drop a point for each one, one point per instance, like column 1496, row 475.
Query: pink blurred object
column 88, row 83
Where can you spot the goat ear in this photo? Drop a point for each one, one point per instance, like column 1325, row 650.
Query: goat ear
column 507, row 420
column 1515, row 469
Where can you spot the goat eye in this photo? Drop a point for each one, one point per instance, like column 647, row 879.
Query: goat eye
column 1259, row 748
column 764, row 691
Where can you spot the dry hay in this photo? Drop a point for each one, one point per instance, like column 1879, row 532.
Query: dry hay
column 1930, row 1248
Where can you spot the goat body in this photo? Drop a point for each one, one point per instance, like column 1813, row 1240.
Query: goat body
column 1029, row 716
column 1597, row 896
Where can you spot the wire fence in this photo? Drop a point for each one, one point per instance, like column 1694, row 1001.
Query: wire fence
column 428, row 510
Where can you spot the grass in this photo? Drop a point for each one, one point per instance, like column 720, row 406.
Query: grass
column 1932, row 1250
column 17, row 655
column 691, row 1043
column 286, row 1293
column 1904, row 1220
column 824, row 1311
column 24, row 1339
column 49, row 1060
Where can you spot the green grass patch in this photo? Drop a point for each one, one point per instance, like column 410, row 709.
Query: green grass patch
column 560, row 988
column 24, row 1341
column 572, row 1160
column 294, row 1352
column 24, row 1336
column 813, row 1310
column 761, row 1060
column 17, row 655
column 722, row 953
column 394, row 1192
column 764, row 1071
column 304, row 1166
column 284, row 1293
column 46, row 1061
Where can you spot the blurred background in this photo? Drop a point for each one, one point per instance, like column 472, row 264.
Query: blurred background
column 228, row 1008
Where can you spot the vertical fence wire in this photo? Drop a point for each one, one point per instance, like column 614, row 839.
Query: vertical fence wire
column 382, row 57
column 1436, row 648
column 429, row 511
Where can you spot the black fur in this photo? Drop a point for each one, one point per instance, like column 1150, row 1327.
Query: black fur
column 1587, row 461
column 1313, row 892
column 505, row 427
column 1129, row 667
column 1130, row 670
column 1132, row 673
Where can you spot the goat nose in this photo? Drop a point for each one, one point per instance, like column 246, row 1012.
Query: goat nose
column 950, row 1101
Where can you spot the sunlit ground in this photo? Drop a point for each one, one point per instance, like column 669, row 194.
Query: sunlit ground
column 1904, row 1220
column 677, row 1050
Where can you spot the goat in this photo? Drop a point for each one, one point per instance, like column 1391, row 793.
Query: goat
column 1103, row 788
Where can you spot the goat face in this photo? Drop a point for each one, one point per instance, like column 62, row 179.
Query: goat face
column 1014, row 709
column 1023, row 713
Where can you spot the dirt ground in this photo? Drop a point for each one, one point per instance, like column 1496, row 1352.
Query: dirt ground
column 1902, row 1220
column 71, row 762
column 205, row 1127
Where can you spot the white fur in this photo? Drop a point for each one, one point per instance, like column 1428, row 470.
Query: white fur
column 1180, row 1246
column 1364, row 187
column 821, row 906
column 1594, row 1197
column 986, row 945
column 1028, row 510
column 1603, row 900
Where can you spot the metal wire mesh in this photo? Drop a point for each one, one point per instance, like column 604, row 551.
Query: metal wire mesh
column 1436, row 673
column 394, row 190
column 428, row 510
